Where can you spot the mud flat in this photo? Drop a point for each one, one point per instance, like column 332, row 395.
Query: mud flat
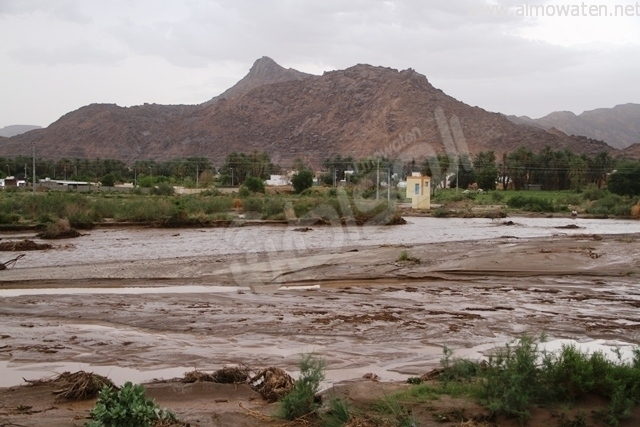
column 355, row 305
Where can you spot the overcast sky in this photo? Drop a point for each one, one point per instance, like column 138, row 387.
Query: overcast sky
column 58, row 55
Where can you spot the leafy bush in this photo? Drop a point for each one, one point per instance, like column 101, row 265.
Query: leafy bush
column 273, row 207
column 253, row 204
column 611, row 204
column 302, row 181
column 163, row 189
column 244, row 192
column 254, row 184
column 592, row 192
column 496, row 196
column 530, row 203
column 108, row 180
column 126, row 407
column 522, row 375
column 302, row 399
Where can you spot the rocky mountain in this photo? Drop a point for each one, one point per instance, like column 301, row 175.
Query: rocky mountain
column 12, row 130
column 361, row 111
column 618, row 126
column 264, row 71
column 631, row 152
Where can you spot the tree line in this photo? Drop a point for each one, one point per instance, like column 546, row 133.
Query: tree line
column 549, row 169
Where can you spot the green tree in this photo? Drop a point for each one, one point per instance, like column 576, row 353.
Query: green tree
column 519, row 164
column 486, row 170
column 254, row 184
column 625, row 181
column 302, row 180
column 108, row 180
column 578, row 173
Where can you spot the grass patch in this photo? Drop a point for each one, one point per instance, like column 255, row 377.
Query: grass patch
column 406, row 257
column 522, row 375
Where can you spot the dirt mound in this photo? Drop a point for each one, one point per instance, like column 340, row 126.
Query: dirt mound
column 23, row 245
column 80, row 385
column 272, row 383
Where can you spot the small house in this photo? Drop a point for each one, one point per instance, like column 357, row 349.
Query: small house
column 419, row 191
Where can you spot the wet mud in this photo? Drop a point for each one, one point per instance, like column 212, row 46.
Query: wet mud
column 364, row 312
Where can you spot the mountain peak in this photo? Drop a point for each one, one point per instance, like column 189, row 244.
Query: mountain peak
column 264, row 71
column 264, row 67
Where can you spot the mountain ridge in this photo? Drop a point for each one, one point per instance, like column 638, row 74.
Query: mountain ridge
column 618, row 126
column 360, row 111
column 13, row 130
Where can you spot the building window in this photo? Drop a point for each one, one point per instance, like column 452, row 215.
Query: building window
column 417, row 190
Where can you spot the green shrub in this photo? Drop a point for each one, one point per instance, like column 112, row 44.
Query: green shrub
column 126, row 407
column 81, row 220
column 337, row 414
column 570, row 199
column 302, row 399
column 273, row 207
column 404, row 256
column 163, row 189
column 497, row 196
column 611, row 204
column 530, row 203
column 302, row 181
column 108, row 180
column 254, row 184
column 244, row 192
column 253, row 204
column 592, row 192
column 440, row 212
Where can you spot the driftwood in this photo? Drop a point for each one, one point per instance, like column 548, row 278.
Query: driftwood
column 10, row 263
column 77, row 386
column 272, row 383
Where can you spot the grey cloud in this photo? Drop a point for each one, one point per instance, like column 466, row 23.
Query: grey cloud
column 66, row 10
column 81, row 53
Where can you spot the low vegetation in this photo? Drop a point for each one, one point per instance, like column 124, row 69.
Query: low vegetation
column 405, row 256
column 301, row 400
column 127, row 407
column 523, row 375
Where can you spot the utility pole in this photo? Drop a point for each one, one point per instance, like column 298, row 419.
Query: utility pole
column 135, row 177
column 388, row 185
column 197, row 176
column 457, row 175
column 33, row 151
column 8, row 171
column 231, row 177
column 378, row 182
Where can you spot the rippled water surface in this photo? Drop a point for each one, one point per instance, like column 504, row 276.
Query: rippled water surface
column 105, row 245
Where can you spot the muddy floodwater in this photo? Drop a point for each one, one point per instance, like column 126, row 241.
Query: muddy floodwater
column 138, row 304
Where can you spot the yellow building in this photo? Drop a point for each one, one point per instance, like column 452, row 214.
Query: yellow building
column 419, row 192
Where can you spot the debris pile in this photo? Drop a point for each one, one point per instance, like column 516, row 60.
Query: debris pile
column 59, row 230
column 23, row 245
column 80, row 385
column 272, row 383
